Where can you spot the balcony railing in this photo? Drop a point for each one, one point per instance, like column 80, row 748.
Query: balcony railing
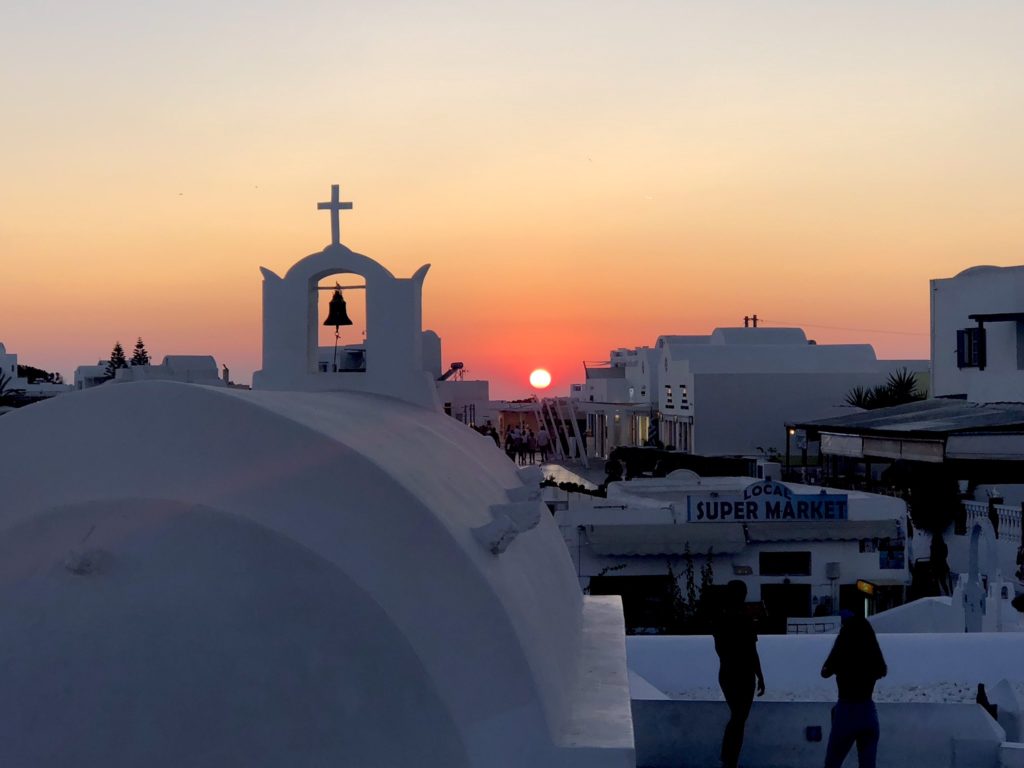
column 1009, row 518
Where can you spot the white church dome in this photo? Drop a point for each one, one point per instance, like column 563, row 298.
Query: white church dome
column 208, row 577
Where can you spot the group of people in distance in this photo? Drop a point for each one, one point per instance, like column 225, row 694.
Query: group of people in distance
column 522, row 445
column 855, row 660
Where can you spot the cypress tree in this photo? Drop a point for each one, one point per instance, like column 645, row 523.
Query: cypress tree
column 117, row 360
column 140, row 356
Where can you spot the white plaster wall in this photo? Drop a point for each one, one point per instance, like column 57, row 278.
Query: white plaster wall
column 89, row 375
column 394, row 340
column 607, row 385
column 201, row 639
column 792, row 663
column 687, row 734
column 854, row 565
column 742, row 412
column 641, row 368
column 9, row 365
column 384, row 493
column 977, row 290
column 463, row 393
column 432, row 355
column 928, row 614
column 189, row 369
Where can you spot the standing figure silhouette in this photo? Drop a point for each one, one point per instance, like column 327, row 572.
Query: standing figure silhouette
column 739, row 668
column 857, row 662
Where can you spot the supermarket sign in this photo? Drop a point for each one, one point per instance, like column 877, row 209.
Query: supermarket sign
column 766, row 501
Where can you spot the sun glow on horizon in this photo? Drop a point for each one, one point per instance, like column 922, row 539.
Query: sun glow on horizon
column 638, row 158
column 540, row 379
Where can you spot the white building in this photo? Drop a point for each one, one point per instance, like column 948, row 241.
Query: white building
column 732, row 392
column 391, row 360
column 620, row 398
column 188, row 369
column 36, row 390
column 467, row 400
column 308, row 574
column 727, row 393
column 978, row 335
column 800, row 549
column 9, row 369
column 88, row 376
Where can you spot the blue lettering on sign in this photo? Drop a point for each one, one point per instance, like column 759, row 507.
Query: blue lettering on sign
column 769, row 488
column 768, row 500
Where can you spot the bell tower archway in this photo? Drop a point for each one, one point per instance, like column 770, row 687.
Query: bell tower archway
column 393, row 363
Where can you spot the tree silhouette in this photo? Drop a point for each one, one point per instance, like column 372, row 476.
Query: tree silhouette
column 140, row 356
column 117, row 360
column 899, row 389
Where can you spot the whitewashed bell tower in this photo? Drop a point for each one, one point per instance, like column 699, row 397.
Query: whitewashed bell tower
column 393, row 361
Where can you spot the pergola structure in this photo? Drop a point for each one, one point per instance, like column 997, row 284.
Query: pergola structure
column 973, row 441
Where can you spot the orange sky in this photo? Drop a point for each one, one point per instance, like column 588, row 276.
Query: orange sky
column 581, row 176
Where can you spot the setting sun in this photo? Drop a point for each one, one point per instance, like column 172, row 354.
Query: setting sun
column 540, row 379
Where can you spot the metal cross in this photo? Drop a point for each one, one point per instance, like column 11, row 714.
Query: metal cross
column 334, row 207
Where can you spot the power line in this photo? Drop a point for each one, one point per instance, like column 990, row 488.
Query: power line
column 838, row 328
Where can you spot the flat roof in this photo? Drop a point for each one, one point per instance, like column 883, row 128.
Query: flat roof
column 997, row 317
column 927, row 419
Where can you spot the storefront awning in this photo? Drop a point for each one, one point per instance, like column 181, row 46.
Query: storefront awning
column 833, row 530
column 634, row 540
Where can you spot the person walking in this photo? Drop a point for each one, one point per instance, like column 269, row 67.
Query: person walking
column 510, row 443
column 857, row 662
column 739, row 668
column 543, row 443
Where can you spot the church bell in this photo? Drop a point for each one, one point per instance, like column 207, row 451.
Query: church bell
column 337, row 315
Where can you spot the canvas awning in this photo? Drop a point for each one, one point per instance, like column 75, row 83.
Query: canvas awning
column 833, row 530
column 668, row 539
column 1008, row 446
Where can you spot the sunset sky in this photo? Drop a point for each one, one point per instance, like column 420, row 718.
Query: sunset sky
column 581, row 175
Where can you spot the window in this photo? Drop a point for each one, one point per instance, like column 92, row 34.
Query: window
column 970, row 348
column 668, row 396
column 785, row 563
column 684, row 397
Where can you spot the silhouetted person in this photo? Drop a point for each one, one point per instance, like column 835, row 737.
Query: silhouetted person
column 857, row 662
column 739, row 668
column 988, row 706
column 510, row 443
column 940, row 565
column 543, row 443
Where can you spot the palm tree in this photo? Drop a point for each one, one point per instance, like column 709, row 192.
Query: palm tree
column 902, row 387
column 899, row 389
column 860, row 397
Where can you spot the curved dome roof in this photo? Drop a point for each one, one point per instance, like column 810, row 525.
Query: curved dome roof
column 262, row 574
column 173, row 637
column 977, row 270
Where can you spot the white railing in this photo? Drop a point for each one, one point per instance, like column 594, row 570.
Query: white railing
column 1009, row 518
column 820, row 625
